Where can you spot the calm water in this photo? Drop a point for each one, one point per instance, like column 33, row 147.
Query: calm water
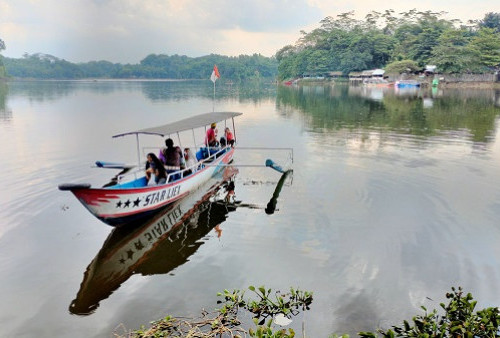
column 394, row 198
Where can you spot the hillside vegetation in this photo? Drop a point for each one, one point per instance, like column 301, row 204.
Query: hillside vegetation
column 420, row 38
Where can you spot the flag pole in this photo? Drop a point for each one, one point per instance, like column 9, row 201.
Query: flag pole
column 215, row 75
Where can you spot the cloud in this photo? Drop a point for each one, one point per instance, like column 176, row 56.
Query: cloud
column 128, row 30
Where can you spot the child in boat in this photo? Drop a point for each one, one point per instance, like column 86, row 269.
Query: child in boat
column 154, row 166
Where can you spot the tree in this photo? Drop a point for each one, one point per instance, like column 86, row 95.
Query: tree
column 452, row 54
column 152, row 66
column 346, row 44
column 2, row 67
column 403, row 66
column 487, row 46
column 354, row 60
column 491, row 20
column 425, row 35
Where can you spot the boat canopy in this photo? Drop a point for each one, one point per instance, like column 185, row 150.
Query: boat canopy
column 185, row 124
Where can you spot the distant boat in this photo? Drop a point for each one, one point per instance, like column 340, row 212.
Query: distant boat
column 407, row 83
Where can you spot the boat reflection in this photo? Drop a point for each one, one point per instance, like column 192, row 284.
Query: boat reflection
column 158, row 246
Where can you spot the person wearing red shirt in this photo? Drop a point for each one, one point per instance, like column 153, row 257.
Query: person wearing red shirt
column 229, row 136
column 211, row 137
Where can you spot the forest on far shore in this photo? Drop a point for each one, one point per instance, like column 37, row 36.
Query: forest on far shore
column 407, row 41
column 153, row 66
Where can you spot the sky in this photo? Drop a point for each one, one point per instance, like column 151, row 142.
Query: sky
column 126, row 31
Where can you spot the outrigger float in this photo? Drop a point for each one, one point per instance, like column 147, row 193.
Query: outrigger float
column 128, row 197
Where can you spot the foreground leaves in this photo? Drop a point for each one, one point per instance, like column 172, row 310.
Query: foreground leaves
column 224, row 322
column 459, row 320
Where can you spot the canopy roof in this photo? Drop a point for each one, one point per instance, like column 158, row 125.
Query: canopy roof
column 185, row 124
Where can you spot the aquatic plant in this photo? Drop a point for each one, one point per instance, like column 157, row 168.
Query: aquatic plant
column 269, row 310
column 459, row 320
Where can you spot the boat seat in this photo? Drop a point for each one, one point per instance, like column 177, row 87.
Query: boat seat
column 202, row 153
column 138, row 183
column 214, row 150
column 174, row 177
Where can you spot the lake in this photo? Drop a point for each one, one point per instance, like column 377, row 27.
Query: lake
column 394, row 199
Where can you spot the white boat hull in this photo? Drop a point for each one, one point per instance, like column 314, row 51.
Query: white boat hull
column 117, row 206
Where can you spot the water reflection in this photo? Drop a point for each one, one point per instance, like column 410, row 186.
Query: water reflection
column 271, row 205
column 5, row 112
column 41, row 91
column 159, row 90
column 421, row 112
column 157, row 246
column 176, row 90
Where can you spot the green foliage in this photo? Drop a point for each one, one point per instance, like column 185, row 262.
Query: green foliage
column 459, row 320
column 157, row 66
column 42, row 66
column 491, row 20
column 3, row 72
column 403, row 66
column 423, row 36
column 269, row 304
column 486, row 45
column 346, row 44
column 452, row 54
column 266, row 331
column 226, row 321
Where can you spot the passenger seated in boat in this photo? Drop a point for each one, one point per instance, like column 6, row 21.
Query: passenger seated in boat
column 211, row 137
column 155, row 167
column 190, row 161
column 228, row 138
column 171, row 156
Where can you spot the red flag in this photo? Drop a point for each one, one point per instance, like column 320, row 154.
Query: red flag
column 215, row 74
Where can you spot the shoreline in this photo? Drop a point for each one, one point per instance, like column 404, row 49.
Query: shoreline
column 424, row 84
column 480, row 85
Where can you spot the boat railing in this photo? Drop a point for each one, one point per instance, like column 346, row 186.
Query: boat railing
column 213, row 153
column 210, row 154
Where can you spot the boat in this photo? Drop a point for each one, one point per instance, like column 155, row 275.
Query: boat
column 129, row 198
column 158, row 245
column 164, row 242
column 407, row 84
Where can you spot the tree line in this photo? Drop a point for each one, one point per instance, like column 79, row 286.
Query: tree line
column 2, row 67
column 154, row 66
column 409, row 40
column 396, row 42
